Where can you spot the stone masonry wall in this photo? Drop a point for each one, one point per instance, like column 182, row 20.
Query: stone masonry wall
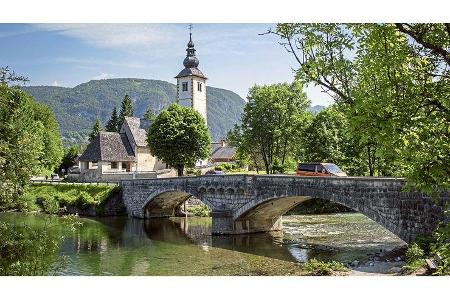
column 252, row 203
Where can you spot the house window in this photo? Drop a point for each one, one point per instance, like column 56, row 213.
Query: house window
column 94, row 164
column 185, row 87
column 199, row 86
column 124, row 165
column 113, row 165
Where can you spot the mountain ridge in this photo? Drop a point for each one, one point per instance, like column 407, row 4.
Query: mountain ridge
column 76, row 108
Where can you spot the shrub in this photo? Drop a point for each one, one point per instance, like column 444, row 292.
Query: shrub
column 200, row 211
column 320, row 268
column 26, row 203
column 414, row 253
column 227, row 166
column 50, row 205
column 83, row 200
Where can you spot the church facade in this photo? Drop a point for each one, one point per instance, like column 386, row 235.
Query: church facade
column 114, row 156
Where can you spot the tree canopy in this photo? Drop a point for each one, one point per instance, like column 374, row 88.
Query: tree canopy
column 113, row 123
column 271, row 125
column 95, row 130
column 30, row 143
column 392, row 82
column 126, row 110
column 179, row 137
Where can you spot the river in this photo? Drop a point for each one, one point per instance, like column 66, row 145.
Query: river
column 184, row 246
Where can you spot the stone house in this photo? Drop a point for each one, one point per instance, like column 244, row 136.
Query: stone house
column 221, row 152
column 119, row 155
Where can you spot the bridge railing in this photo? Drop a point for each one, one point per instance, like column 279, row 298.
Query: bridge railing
column 57, row 182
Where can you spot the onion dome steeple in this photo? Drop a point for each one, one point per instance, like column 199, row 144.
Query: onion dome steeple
column 190, row 61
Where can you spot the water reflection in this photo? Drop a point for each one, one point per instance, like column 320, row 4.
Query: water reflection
column 185, row 246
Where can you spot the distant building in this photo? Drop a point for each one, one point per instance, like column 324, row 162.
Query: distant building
column 221, row 152
column 112, row 155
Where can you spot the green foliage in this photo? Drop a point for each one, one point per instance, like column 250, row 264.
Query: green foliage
column 77, row 108
column 49, row 204
column 315, row 267
column 271, row 125
column 126, row 110
column 327, row 139
column 29, row 142
column 179, row 137
column 150, row 115
column 200, row 210
column 69, row 158
column 414, row 253
column 95, row 130
column 25, row 203
column 392, row 82
column 52, row 197
column 53, row 150
column 28, row 251
column 113, row 123
column 318, row 206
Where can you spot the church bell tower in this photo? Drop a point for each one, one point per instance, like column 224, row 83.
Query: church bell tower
column 191, row 83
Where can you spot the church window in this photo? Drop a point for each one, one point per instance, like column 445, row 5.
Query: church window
column 185, row 87
column 113, row 165
column 199, row 86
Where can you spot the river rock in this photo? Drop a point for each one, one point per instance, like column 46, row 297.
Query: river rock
column 395, row 270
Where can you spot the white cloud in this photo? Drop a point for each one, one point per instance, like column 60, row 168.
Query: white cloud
column 102, row 76
column 55, row 83
column 116, row 35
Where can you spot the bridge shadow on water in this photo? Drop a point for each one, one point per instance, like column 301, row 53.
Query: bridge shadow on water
column 131, row 232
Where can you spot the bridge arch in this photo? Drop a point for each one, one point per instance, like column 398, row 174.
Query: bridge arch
column 164, row 201
column 238, row 202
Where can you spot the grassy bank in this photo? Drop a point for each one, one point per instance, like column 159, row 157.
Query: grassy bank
column 53, row 197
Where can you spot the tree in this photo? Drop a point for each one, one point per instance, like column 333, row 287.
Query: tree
column 179, row 137
column 271, row 124
column 69, row 158
column 392, row 81
column 327, row 139
column 95, row 130
column 150, row 115
column 21, row 146
column 8, row 76
column 113, row 123
column 53, row 147
column 126, row 110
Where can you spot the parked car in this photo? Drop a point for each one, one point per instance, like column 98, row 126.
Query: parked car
column 55, row 177
column 319, row 169
column 214, row 172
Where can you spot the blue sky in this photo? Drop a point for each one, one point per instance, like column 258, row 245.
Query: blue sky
column 232, row 56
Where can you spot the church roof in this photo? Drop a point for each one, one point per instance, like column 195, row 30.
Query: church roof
column 109, row 146
column 191, row 72
column 224, row 153
column 139, row 134
column 191, row 62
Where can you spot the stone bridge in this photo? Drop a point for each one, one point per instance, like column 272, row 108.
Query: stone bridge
column 255, row 203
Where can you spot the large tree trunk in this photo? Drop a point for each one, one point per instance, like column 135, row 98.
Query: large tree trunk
column 371, row 160
column 180, row 170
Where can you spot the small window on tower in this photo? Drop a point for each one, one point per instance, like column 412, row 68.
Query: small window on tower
column 185, row 86
column 199, row 86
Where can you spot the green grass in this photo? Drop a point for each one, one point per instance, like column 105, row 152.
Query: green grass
column 52, row 197
column 315, row 267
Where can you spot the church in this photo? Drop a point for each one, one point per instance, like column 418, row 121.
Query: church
column 125, row 154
